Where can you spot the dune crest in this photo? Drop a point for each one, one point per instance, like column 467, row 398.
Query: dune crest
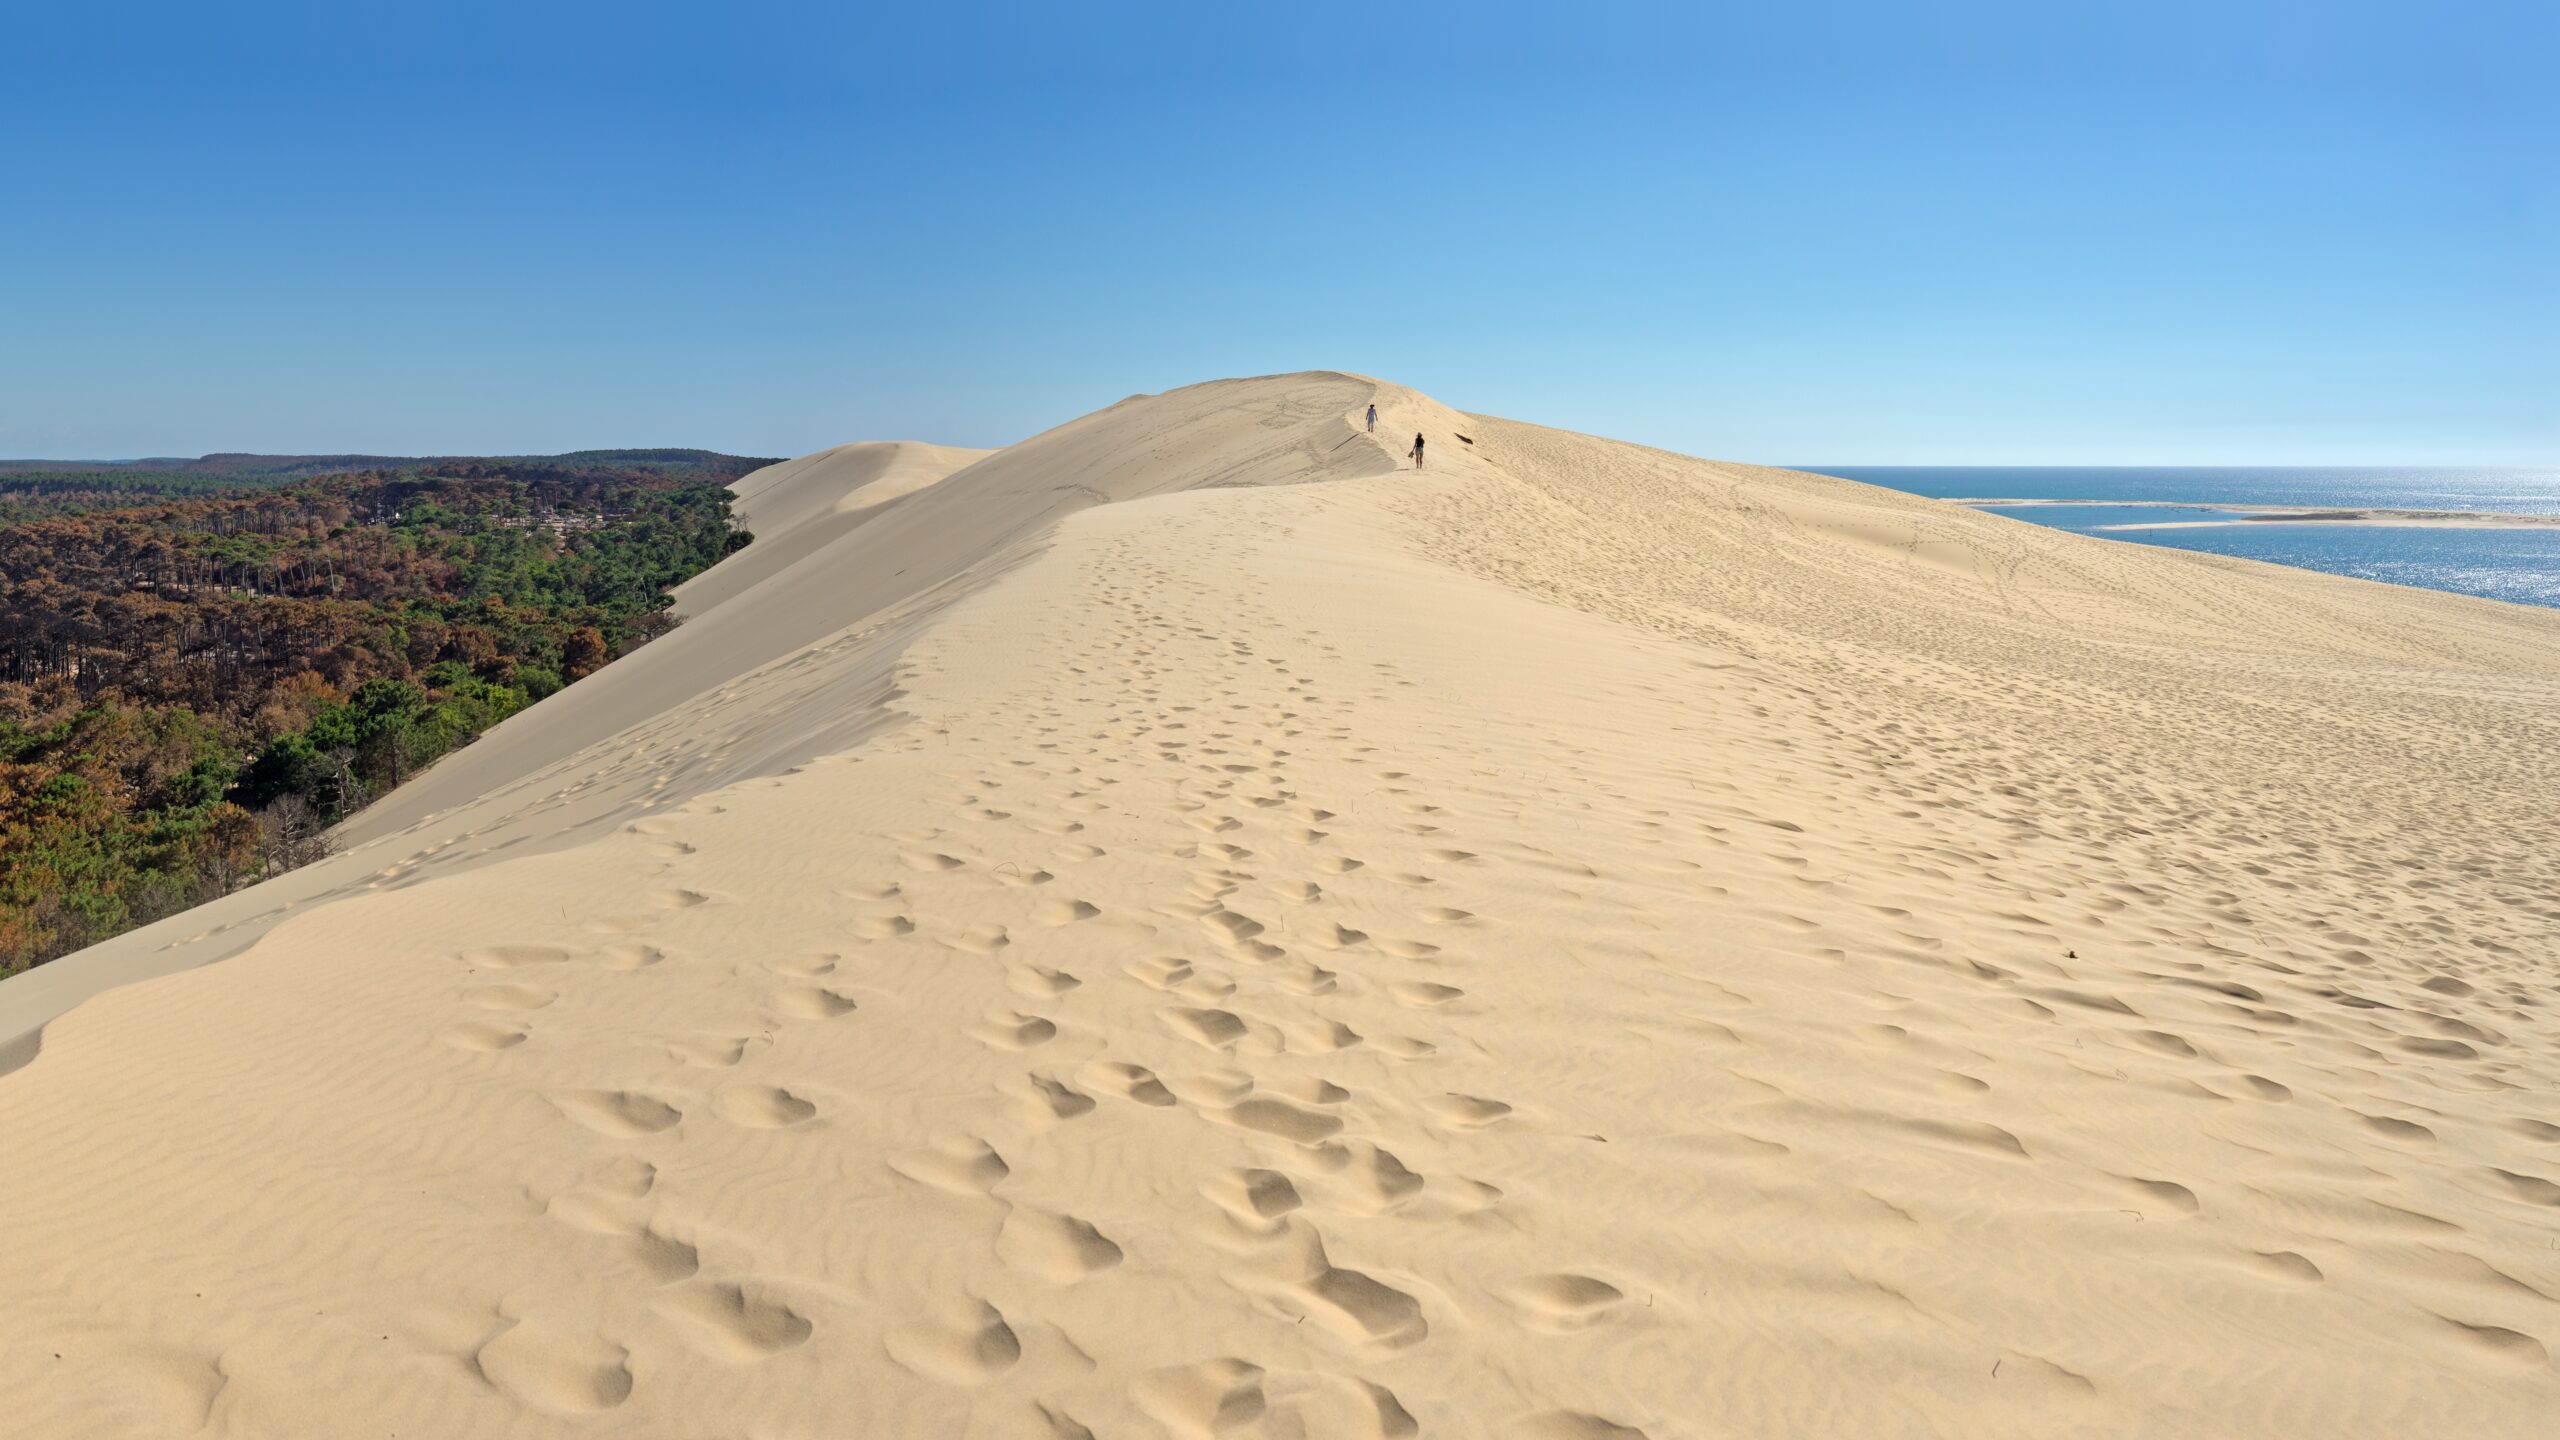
column 1185, row 926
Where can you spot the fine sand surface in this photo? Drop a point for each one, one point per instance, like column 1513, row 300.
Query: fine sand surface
column 1185, row 927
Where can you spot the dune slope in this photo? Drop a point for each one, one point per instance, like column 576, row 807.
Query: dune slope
column 1575, row 942
column 803, row 508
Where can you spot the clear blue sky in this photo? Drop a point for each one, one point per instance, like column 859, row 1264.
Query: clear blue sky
column 2060, row 232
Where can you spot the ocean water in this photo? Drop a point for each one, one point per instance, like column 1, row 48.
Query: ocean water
column 2520, row 564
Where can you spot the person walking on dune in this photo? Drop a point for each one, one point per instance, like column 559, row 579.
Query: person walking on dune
column 1417, row 449
column 1373, row 419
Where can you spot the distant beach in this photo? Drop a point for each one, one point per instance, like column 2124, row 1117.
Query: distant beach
column 2494, row 533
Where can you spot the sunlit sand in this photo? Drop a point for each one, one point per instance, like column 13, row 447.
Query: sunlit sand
column 1188, row 927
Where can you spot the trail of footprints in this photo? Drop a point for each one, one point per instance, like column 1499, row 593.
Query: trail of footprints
column 1281, row 933
column 1236, row 994
column 727, row 1319
column 1239, row 997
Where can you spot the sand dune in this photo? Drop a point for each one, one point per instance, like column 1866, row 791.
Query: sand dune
column 1183, row 927
column 802, row 508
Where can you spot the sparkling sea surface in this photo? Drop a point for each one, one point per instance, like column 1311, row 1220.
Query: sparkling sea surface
column 2521, row 564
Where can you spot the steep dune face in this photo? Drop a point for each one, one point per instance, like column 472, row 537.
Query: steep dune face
column 1579, row 941
column 801, row 509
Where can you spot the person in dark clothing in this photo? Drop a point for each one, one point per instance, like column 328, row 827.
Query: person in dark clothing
column 1417, row 450
column 1373, row 419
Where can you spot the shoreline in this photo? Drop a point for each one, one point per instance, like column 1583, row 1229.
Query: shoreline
column 2289, row 515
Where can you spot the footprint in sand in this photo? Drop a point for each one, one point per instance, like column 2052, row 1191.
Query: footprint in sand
column 981, row 939
column 2266, row 1089
column 632, row 957
column 2287, row 1265
column 710, row 1052
column 2166, row 1195
column 1230, row 927
column 1307, row 978
column 2500, row 1343
column 763, row 1107
column 2532, row 1189
column 1053, row 1101
column 511, row 997
column 1059, row 1249
column 1204, row 1400
column 1129, row 1082
column 481, row 1037
column 562, row 1371
column 732, row 1323
column 622, row 1113
column 1572, row 1425
column 1282, row 1118
column 1358, row 1308
column 2405, row 1130
column 1255, row 1198
column 1467, row 1112
column 1013, row 1030
column 1563, row 1301
column 2166, row 1043
column 963, row 1165
column 1166, row 974
column 811, row 1003
column 1039, row 982
column 609, row 1203
column 1216, row 1029
column 1316, row 1035
column 661, row 1257
column 1423, row 994
column 509, row 957
column 966, row 1342
column 1378, row 1181
column 1310, row 1090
